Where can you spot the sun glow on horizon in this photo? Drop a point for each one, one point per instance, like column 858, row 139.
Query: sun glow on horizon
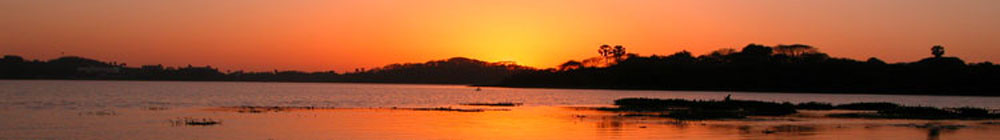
column 260, row 35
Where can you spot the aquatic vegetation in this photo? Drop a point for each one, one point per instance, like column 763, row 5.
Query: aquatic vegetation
column 700, row 110
column 746, row 107
column 203, row 122
column 704, row 115
column 494, row 104
column 896, row 111
column 932, row 126
column 971, row 111
column 196, row 122
column 790, row 128
column 736, row 109
column 917, row 113
column 931, row 113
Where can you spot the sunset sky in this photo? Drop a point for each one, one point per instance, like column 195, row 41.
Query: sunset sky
column 318, row 35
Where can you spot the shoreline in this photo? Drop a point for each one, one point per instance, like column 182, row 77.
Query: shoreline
column 540, row 87
column 748, row 91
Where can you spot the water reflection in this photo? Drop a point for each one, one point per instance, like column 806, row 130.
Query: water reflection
column 141, row 110
column 42, row 94
column 520, row 122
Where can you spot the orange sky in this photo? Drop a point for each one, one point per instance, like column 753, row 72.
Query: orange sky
column 262, row 35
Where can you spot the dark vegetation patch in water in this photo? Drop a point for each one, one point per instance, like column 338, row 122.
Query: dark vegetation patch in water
column 736, row 109
column 789, row 129
column 494, row 104
column 931, row 125
column 930, row 113
column 702, row 110
column 195, row 122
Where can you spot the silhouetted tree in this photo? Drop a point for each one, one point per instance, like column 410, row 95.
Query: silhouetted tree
column 569, row 65
column 937, row 51
column 681, row 57
column 723, row 52
column 13, row 58
column 595, row 62
column 618, row 52
column 605, row 50
column 456, row 70
column 717, row 56
column 794, row 50
column 794, row 68
column 612, row 53
column 757, row 50
column 874, row 60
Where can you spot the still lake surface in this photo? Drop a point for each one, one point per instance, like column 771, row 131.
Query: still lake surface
column 42, row 94
column 56, row 109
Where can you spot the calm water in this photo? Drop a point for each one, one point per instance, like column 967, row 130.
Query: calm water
column 36, row 109
column 141, row 94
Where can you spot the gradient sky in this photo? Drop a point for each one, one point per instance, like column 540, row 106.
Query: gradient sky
column 262, row 35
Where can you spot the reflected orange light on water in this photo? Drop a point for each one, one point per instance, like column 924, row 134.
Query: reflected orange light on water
column 544, row 122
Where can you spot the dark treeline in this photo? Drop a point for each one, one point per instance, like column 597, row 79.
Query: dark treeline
column 452, row 71
column 782, row 68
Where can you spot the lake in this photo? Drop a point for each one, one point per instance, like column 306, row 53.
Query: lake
column 56, row 109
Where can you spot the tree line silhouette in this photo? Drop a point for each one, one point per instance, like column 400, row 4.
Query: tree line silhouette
column 456, row 70
column 781, row 68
